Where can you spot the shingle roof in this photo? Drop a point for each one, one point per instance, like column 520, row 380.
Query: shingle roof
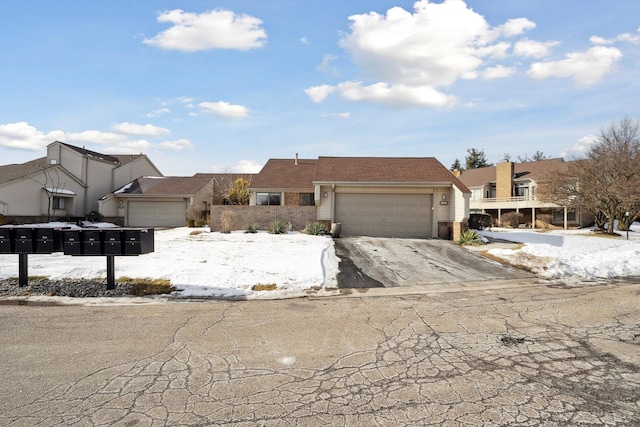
column 15, row 171
column 171, row 185
column 531, row 170
column 285, row 173
column 84, row 151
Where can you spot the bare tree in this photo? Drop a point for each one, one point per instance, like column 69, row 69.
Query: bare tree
column 605, row 183
column 51, row 184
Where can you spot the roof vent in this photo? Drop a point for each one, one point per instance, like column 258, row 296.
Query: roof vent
column 296, row 162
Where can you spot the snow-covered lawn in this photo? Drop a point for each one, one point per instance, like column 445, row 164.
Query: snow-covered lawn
column 571, row 255
column 229, row 265
column 208, row 264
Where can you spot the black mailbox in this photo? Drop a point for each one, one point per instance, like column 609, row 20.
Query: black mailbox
column 6, row 242
column 71, row 242
column 138, row 241
column 112, row 241
column 91, row 242
column 48, row 240
column 24, row 240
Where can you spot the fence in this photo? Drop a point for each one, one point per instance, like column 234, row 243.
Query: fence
column 297, row 216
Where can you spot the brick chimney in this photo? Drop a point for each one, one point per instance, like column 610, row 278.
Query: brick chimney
column 504, row 180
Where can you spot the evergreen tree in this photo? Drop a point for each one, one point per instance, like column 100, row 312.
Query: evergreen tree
column 476, row 159
column 456, row 166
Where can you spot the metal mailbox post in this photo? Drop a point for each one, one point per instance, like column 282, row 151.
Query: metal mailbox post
column 83, row 242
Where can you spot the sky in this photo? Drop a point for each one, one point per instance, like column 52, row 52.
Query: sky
column 224, row 85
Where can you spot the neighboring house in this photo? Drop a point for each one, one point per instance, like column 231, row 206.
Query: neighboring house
column 372, row 196
column 512, row 187
column 167, row 201
column 68, row 182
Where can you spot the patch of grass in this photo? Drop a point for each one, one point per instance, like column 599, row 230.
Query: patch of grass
column 196, row 232
column 264, row 287
column 142, row 287
column 38, row 277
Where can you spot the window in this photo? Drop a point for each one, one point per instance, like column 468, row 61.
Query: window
column 59, row 203
column 307, row 199
column 268, row 199
column 522, row 190
column 558, row 215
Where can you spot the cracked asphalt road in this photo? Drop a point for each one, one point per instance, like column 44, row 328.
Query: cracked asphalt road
column 517, row 355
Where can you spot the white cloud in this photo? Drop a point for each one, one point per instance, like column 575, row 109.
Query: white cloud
column 517, row 26
column 325, row 66
column 344, row 115
column 626, row 37
column 395, row 95
column 533, row 49
column 242, row 166
column 304, row 40
column 177, row 145
column 136, row 129
column 129, row 147
column 497, row 72
column 600, row 40
column 586, row 68
column 22, row 136
column 157, row 113
column 408, row 56
column 215, row 29
column 92, row 136
column 580, row 148
column 319, row 93
column 224, row 109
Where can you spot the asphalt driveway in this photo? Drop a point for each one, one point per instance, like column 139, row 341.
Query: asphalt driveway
column 368, row 262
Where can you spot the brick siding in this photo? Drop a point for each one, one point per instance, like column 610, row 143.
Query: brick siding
column 298, row 216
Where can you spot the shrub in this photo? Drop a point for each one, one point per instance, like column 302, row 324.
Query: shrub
column 479, row 221
column 277, row 227
column 227, row 219
column 511, row 219
column 469, row 237
column 200, row 223
column 316, row 229
column 191, row 222
column 253, row 228
column 544, row 220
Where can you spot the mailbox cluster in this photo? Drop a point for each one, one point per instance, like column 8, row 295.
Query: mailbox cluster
column 30, row 240
column 104, row 241
column 109, row 242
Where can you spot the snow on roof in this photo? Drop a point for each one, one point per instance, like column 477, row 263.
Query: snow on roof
column 59, row 191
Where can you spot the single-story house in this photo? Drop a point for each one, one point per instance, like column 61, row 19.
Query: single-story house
column 372, row 196
column 512, row 187
column 167, row 201
column 67, row 183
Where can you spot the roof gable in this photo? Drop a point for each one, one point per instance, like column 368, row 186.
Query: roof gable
column 535, row 171
column 286, row 173
column 15, row 171
column 165, row 186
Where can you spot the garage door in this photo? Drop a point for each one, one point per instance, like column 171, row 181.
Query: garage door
column 157, row 214
column 387, row 215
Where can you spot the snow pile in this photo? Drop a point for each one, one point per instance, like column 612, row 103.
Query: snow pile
column 208, row 264
column 571, row 255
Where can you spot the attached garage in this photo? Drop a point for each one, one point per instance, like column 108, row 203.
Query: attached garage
column 157, row 214
column 385, row 215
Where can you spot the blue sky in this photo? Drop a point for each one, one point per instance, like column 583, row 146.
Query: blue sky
column 222, row 86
